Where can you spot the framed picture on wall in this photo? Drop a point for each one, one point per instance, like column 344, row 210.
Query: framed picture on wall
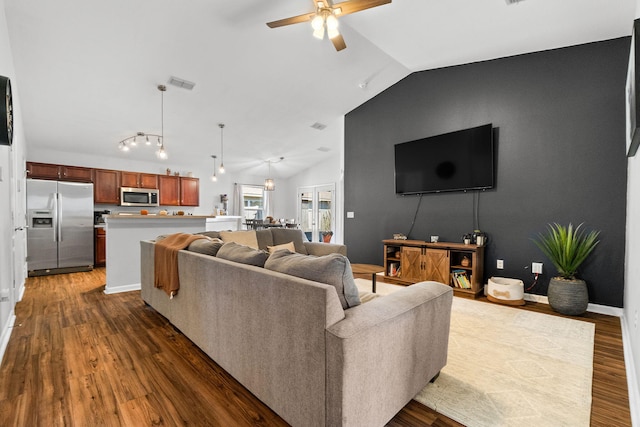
column 631, row 93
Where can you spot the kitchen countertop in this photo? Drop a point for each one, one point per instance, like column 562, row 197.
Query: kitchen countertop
column 155, row 216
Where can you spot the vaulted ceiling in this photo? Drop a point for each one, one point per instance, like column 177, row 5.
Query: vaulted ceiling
column 88, row 71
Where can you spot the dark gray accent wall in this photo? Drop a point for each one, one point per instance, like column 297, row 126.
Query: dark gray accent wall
column 560, row 157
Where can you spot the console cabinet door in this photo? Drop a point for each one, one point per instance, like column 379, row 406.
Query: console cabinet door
column 412, row 262
column 169, row 187
column 107, row 186
column 437, row 265
column 189, row 191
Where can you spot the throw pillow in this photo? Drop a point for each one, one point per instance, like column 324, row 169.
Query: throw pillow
column 285, row 235
column 206, row 246
column 288, row 246
column 212, row 234
column 236, row 252
column 246, row 238
column 333, row 269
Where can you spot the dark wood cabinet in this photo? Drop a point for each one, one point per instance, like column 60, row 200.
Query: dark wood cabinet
column 107, row 186
column 59, row 172
column 189, row 191
column 138, row 180
column 169, row 187
column 100, row 252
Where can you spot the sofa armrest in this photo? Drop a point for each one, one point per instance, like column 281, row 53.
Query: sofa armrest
column 386, row 351
column 320, row 249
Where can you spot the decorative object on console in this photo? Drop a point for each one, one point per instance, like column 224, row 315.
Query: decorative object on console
column 399, row 236
column 131, row 141
column 567, row 248
column 325, row 16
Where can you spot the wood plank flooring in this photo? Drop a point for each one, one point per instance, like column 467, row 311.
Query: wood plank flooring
column 78, row 357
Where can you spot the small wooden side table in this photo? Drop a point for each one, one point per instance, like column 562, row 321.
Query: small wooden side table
column 368, row 269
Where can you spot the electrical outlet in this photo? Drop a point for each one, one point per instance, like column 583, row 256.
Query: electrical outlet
column 536, row 267
column 500, row 264
column 351, row 215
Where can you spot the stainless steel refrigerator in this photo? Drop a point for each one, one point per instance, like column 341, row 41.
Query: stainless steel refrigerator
column 60, row 233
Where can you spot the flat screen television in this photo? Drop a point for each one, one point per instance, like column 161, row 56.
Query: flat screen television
column 455, row 161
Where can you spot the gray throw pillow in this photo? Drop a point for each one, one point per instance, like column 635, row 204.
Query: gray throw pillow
column 206, row 246
column 233, row 251
column 212, row 234
column 333, row 269
column 286, row 235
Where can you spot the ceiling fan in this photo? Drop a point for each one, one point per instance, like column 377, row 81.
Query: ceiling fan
column 325, row 16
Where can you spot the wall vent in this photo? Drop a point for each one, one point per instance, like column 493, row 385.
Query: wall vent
column 324, row 149
column 318, row 126
column 510, row 2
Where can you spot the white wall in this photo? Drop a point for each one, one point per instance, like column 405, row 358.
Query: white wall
column 631, row 327
column 11, row 197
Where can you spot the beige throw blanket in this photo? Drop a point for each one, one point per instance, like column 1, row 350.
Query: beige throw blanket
column 166, row 260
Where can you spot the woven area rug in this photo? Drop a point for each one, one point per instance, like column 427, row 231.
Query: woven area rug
column 511, row 367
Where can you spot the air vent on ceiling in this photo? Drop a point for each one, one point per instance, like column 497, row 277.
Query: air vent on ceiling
column 318, row 126
column 181, row 83
column 510, row 2
column 324, row 149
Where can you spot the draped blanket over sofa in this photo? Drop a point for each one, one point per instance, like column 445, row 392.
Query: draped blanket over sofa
column 295, row 346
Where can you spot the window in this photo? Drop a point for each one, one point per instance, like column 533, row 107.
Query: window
column 253, row 201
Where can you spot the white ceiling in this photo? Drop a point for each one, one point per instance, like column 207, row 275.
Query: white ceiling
column 87, row 70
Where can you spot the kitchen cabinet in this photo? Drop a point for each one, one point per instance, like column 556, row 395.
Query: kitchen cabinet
column 189, row 191
column 106, row 187
column 59, row 172
column 169, row 187
column 100, row 247
column 138, row 180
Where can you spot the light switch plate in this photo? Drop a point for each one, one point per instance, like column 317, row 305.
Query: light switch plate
column 351, row 215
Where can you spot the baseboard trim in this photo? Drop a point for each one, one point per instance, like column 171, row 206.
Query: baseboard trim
column 123, row 288
column 593, row 308
column 632, row 385
column 6, row 334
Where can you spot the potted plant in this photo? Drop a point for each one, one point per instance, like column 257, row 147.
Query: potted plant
column 567, row 248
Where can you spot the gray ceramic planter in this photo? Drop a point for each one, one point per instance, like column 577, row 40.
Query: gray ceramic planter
column 569, row 297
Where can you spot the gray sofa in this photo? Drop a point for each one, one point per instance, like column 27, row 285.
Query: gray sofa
column 290, row 342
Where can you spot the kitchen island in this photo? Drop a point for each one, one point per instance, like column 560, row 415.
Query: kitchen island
column 124, row 233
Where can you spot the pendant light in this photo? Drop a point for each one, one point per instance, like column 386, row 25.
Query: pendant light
column 162, row 154
column 221, row 126
column 269, row 183
column 214, row 178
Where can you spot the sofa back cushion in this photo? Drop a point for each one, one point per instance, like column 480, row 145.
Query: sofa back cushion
column 265, row 239
column 246, row 238
column 232, row 251
column 333, row 269
column 286, row 235
column 206, row 246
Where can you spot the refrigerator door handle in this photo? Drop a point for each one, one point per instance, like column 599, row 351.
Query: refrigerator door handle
column 58, row 210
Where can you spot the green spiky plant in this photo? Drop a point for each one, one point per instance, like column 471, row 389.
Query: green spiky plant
column 567, row 247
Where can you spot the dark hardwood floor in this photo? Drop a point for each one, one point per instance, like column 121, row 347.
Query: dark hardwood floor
column 78, row 357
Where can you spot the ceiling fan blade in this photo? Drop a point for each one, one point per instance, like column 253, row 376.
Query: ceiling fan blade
column 338, row 42
column 347, row 7
column 293, row 20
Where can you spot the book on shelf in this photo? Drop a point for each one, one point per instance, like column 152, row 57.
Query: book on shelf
column 460, row 279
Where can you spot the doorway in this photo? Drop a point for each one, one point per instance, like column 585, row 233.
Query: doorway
column 317, row 212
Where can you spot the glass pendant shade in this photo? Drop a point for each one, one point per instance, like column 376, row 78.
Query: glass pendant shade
column 269, row 184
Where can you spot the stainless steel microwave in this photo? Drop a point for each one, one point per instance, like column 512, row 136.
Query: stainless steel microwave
column 138, row 196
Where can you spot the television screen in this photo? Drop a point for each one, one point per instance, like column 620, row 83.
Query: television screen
column 455, row 161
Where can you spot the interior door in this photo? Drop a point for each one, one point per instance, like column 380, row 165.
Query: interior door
column 317, row 212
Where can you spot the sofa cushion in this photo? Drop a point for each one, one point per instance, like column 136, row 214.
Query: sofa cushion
column 206, row 246
column 236, row 252
column 246, row 238
column 287, row 246
column 286, row 235
column 212, row 234
column 333, row 269
column 264, row 238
